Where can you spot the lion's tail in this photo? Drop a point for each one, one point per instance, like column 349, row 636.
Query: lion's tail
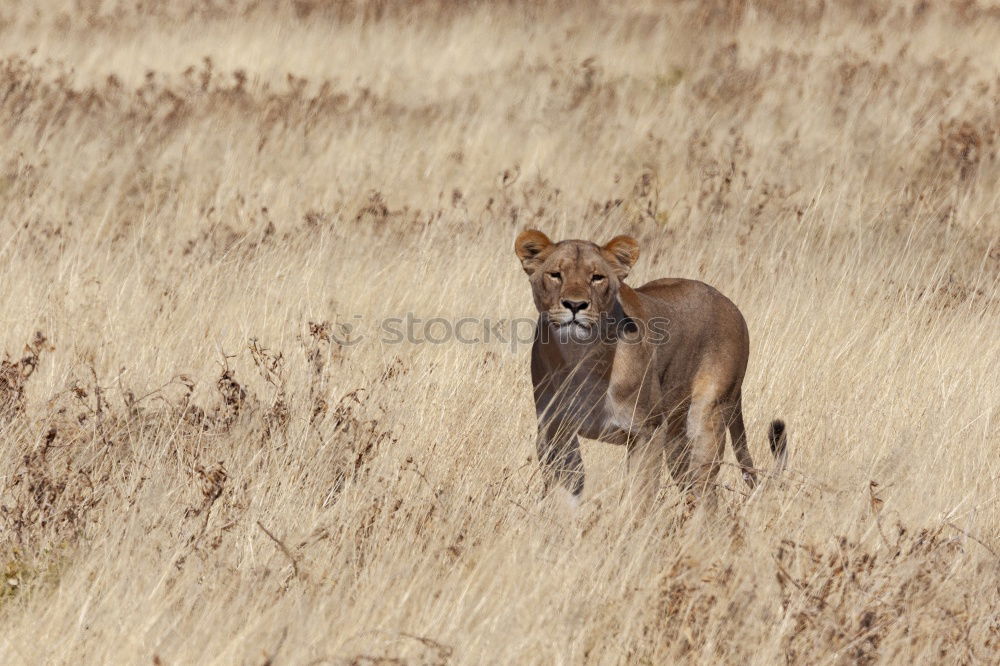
column 778, row 439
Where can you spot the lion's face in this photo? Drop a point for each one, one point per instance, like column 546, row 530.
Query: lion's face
column 575, row 283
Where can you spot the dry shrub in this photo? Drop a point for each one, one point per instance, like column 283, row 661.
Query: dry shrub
column 51, row 496
column 15, row 374
column 964, row 145
column 861, row 597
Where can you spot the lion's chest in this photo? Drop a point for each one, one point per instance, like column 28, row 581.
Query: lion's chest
column 580, row 398
column 599, row 393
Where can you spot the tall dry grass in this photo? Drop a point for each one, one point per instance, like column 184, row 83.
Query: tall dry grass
column 197, row 197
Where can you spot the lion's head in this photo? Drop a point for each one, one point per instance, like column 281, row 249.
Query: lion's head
column 575, row 283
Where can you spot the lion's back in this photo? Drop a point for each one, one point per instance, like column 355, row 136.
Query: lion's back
column 700, row 305
column 682, row 292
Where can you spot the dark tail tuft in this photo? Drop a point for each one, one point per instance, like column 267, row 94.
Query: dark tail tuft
column 779, row 442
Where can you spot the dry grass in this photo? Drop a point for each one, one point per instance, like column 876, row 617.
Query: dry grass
column 196, row 196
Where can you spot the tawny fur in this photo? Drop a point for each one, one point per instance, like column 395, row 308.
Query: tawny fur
column 658, row 369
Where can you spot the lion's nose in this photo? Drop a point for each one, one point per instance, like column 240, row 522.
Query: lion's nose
column 575, row 306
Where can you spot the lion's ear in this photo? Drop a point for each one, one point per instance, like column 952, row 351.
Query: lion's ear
column 623, row 252
column 528, row 246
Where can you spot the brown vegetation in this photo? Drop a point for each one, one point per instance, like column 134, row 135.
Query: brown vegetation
column 201, row 201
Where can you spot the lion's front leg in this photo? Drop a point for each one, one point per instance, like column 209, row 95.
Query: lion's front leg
column 632, row 408
column 645, row 462
column 559, row 457
column 633, row 401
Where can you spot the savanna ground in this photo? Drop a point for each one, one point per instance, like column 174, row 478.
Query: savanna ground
column 197, row 197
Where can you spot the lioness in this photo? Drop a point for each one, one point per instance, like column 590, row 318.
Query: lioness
column 658, row 369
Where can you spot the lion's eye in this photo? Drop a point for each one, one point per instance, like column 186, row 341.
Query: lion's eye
column 555, row 276
column 596, row 278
